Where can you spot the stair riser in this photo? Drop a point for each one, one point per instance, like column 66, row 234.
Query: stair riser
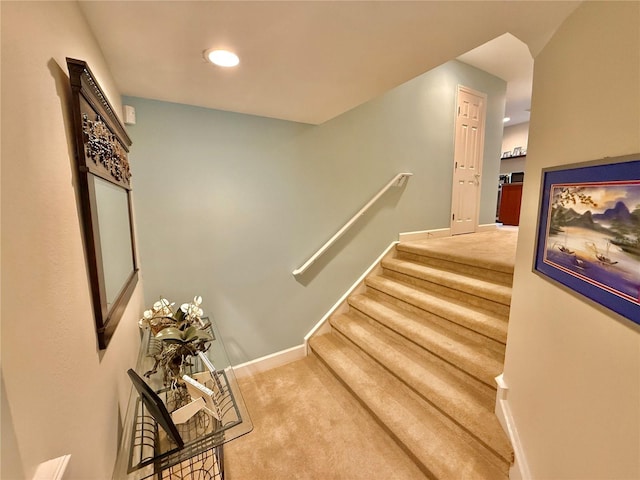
column 470, row 439
column 432, row 328
column 326, row 362
column 490, row 290
column 465, row 369
column 484, row 390
column 483, row 340
column 456, row 294
column 491, row 275
column 475, row 321
column 462, row 420
column 419, row 346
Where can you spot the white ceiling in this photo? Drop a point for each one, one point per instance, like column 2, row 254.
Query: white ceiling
column 309, row 61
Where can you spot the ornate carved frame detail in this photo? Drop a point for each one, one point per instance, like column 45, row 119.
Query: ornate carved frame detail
column 101, row 148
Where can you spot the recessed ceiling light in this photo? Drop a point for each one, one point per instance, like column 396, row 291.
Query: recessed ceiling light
column 506, row 119
column 222, row 58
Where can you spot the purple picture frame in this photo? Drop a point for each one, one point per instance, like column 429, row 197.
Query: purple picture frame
column 588, row 236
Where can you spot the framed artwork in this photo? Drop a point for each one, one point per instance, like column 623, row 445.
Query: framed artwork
column 589, row 231
column 104, row 182
column 156, row 407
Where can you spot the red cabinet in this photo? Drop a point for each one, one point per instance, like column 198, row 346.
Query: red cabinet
column 510, row 199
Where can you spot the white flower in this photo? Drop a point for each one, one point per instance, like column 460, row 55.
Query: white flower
column 192, row 311
column 164, row 308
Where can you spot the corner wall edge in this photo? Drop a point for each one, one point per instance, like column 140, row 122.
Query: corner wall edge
column 53, row 469
column 520, row 468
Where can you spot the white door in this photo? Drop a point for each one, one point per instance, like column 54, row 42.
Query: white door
column 467, row 167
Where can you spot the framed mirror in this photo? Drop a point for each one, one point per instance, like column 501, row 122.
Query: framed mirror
column 104, row 179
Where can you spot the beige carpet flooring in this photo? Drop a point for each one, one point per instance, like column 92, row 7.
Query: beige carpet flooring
column 308, row 427
column 496, row 249
column 493, row 249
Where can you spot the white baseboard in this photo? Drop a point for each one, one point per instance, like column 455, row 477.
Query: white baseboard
column 424, row 234
column 520, row 468
column 487, row 227
column 323, row 325
column 440, row 232
column 283, row 357
column 269, row 361
column 52, row 469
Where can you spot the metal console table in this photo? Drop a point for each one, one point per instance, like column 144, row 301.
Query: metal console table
column 146, row 451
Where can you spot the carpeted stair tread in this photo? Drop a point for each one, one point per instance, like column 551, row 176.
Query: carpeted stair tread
column 491, row 325
column 464, row 353
column 482, row 341
column 430, row 438
column 504, row 278
column 482, row 250
column 421, row 344
column 425, row 251
column 458, row 296
column 458, row 399
column 455, row 281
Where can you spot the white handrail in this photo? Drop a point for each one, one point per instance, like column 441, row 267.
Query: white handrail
column 397, row 181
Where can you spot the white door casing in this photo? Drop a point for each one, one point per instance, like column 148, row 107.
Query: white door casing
column 467, row 157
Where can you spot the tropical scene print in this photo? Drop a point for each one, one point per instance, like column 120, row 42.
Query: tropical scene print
column 593, row 233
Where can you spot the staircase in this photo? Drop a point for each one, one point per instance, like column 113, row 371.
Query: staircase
column 420, row 346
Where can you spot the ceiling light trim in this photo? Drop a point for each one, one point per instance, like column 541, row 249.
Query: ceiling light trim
column 221, row 57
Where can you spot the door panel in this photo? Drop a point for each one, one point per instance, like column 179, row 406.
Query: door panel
column 469, row 144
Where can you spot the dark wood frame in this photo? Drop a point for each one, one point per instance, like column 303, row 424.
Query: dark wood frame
column 102, row 147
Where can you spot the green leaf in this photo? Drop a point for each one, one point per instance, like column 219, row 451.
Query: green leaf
column 175, row 335
column 189, row 332
column 192, row 333
column 179, row 315
column 170, row 334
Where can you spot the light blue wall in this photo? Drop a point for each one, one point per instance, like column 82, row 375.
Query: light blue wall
column 227, row 205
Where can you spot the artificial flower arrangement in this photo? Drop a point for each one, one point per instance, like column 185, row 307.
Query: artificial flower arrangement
column 179, row 334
